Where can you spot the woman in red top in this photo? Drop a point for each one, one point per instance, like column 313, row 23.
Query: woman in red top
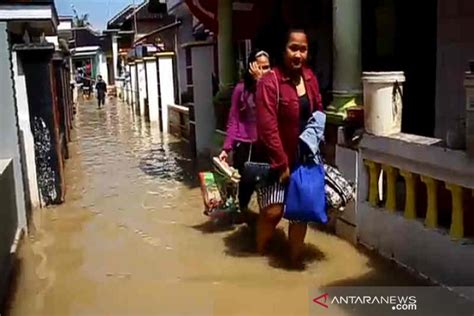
column 286, row 98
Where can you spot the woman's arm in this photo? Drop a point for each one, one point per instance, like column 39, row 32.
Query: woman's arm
column 233, row 120
column 267, row 122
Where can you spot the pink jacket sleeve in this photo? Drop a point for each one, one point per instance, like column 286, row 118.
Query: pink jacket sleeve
column 233, row 120
column 267, row 122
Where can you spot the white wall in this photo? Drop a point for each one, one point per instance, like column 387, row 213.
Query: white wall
column 9, row 129
column 53, row 39
column 142, row 93
column 28, row 143
column 134, row 87
column 203, row 60
column 128, row 86
column 115, row 51
column 8, row 223
column 64, row 25
column 166, row 87
column 184, row 35
column 152, row 82
column 103, row 70
column 455, row 49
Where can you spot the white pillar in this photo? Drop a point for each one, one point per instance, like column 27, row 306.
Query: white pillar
column 167, row 88
column 103, row 71
column 115, row 56
column 27, row 139
column 152, row 84
column 127, row 84
column 347, row 63
column 142, row 94
column 71, row 66
column 134, row 85
column 203, row 60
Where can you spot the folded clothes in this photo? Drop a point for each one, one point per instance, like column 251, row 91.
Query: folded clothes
column 224, row 168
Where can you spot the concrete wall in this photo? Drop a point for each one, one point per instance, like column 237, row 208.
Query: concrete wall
column 166, row 75
column 430, row 252
column 346, row 222
column 152, row 83
column 27, row 140
column 8, row 221
column 128, row 85
column 64, row 25
column 115, row 59
column 134, row 86
column 455, row 48
column 54, row 40
column 184, row 34
column 203, row 57
column 142, row 93
column 9, row 129
column 103, row 70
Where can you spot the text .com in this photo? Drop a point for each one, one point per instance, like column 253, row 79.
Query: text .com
column 398, row 303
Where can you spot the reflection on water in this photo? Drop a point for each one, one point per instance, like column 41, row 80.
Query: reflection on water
column 131, row 238
column 163, row 163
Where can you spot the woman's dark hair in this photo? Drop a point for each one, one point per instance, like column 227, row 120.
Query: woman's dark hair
column 250, row 84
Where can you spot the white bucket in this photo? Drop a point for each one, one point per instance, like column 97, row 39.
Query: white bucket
column 383, row 102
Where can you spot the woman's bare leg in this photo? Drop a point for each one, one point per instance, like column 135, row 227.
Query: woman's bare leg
column 296, row 235
column 267, row 221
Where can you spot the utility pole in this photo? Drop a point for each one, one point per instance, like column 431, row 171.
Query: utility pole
column 135, row 20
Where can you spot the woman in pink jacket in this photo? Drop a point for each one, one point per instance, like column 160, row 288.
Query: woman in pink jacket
column 241, row 126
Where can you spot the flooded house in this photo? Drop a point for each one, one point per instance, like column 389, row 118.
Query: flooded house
column 27, row 23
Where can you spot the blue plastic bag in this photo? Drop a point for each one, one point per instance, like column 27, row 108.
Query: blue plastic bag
column 305, row 196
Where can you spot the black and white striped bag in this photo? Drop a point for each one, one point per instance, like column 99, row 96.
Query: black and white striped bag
column 339, row 191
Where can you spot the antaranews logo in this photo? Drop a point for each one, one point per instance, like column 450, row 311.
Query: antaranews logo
column 397, row 303
column 322, row 300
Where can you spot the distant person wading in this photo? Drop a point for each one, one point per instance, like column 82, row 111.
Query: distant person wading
column 101, row 88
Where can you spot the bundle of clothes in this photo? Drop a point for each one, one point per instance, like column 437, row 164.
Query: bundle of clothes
column 338, row 191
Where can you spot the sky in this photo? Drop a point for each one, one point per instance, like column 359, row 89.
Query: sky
column 100, row 11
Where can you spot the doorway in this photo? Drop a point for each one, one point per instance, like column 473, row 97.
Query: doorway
column 402, row 36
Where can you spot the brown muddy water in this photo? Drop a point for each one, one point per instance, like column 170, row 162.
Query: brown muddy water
column 132, row 240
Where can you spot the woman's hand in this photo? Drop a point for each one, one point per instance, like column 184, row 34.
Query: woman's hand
column 223, row 156
column 255, row 70
column 285, row 176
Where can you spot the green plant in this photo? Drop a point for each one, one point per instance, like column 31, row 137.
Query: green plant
column 81, row 20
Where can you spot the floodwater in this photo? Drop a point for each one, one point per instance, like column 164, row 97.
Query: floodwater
column 131, row 239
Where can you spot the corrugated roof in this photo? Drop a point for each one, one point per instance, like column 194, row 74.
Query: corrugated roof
column 120, row 17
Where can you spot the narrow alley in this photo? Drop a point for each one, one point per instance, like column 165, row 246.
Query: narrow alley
column 131, row 239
